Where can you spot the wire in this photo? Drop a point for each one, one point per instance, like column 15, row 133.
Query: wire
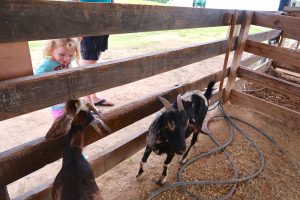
column 220, row 147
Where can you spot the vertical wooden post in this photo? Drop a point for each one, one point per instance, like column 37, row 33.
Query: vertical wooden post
column 247, row 17
column 297, row 45
column 3, row 193
column 15, row 60
column 228, row 49
column 281, row 41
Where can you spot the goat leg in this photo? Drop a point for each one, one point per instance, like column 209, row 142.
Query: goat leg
column 186, row 153
column 162, row 179
column 147, row 153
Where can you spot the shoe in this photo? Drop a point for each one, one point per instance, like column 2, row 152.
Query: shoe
column 103, row 102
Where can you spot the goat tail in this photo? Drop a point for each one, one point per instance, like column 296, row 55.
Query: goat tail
column 209, row 90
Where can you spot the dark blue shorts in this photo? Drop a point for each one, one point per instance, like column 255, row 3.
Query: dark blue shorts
column 92, row 46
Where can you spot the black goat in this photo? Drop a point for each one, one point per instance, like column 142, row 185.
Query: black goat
column 168, row 132
column 195, row 104
column 166, row 135
column 76, row 180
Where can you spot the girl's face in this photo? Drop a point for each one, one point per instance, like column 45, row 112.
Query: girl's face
column 63, row 55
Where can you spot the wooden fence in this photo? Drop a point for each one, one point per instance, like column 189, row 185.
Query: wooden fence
column 16, row 94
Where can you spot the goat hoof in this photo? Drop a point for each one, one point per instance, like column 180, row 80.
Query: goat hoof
column 183, row 161
column 159, row 182
column 139, row 174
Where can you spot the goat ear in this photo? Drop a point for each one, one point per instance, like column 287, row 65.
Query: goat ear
column 100, row 126
column 78, row 107
column 98, row 123
column 166, row 103
column 60, row 127
column 179, row 103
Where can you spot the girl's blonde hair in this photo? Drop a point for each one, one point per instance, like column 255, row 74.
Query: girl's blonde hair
column 70, row 43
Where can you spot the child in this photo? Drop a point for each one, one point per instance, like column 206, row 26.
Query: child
column 58, row 54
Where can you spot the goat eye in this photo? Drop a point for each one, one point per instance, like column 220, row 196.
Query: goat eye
column 171, row 125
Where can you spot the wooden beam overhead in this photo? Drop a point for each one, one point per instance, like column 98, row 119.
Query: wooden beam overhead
column 288, row 24
column 40, row 152
column 285, row 55
column 29, row 20
column 273, row 83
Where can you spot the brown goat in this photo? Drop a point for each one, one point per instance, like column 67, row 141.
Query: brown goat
column 75, row 180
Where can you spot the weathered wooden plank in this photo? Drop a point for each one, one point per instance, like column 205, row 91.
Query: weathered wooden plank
column 291, row 35
column 275, row 112
column 238, row 53
column 29, row 157
column 12, row 64
column 79, row 19
column 276, row 84
column 285, row 55
column 3, row 193
column 293, row 11
column 281, row 65
column 263, row 36
column 290, row 25
column 250, row 60
column 16, row 95
column 228, row 49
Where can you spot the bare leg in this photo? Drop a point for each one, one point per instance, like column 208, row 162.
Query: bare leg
column 147, row 153
column 162, row 179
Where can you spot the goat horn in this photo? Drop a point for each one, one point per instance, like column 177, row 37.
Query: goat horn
column 92, row 108
column 102, row 124
column 166, row 103
column 179, row 103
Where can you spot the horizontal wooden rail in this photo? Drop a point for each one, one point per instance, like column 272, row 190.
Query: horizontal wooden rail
column 276, row 84
column 29, row 157
column 285, row 66
column 291, row 35
column 16, row 95
column 293, row 11
column 29, row 20
column 275, row 112
column 250, row 60
column 281, row 54
column 263, row 36
column 288, row 24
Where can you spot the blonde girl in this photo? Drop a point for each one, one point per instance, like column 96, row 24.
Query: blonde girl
column 58, row 54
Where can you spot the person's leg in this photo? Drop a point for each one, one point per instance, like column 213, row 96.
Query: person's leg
column 91, row 48
column 93, row 99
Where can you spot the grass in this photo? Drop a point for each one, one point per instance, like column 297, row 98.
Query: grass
column 140, row 41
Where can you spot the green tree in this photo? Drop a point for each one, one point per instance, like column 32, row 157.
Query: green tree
column 199, row 3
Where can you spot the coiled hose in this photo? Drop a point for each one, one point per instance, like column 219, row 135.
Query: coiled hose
column 220, row 147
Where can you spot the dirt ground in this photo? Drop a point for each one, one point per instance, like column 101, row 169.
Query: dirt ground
column 279, row 180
